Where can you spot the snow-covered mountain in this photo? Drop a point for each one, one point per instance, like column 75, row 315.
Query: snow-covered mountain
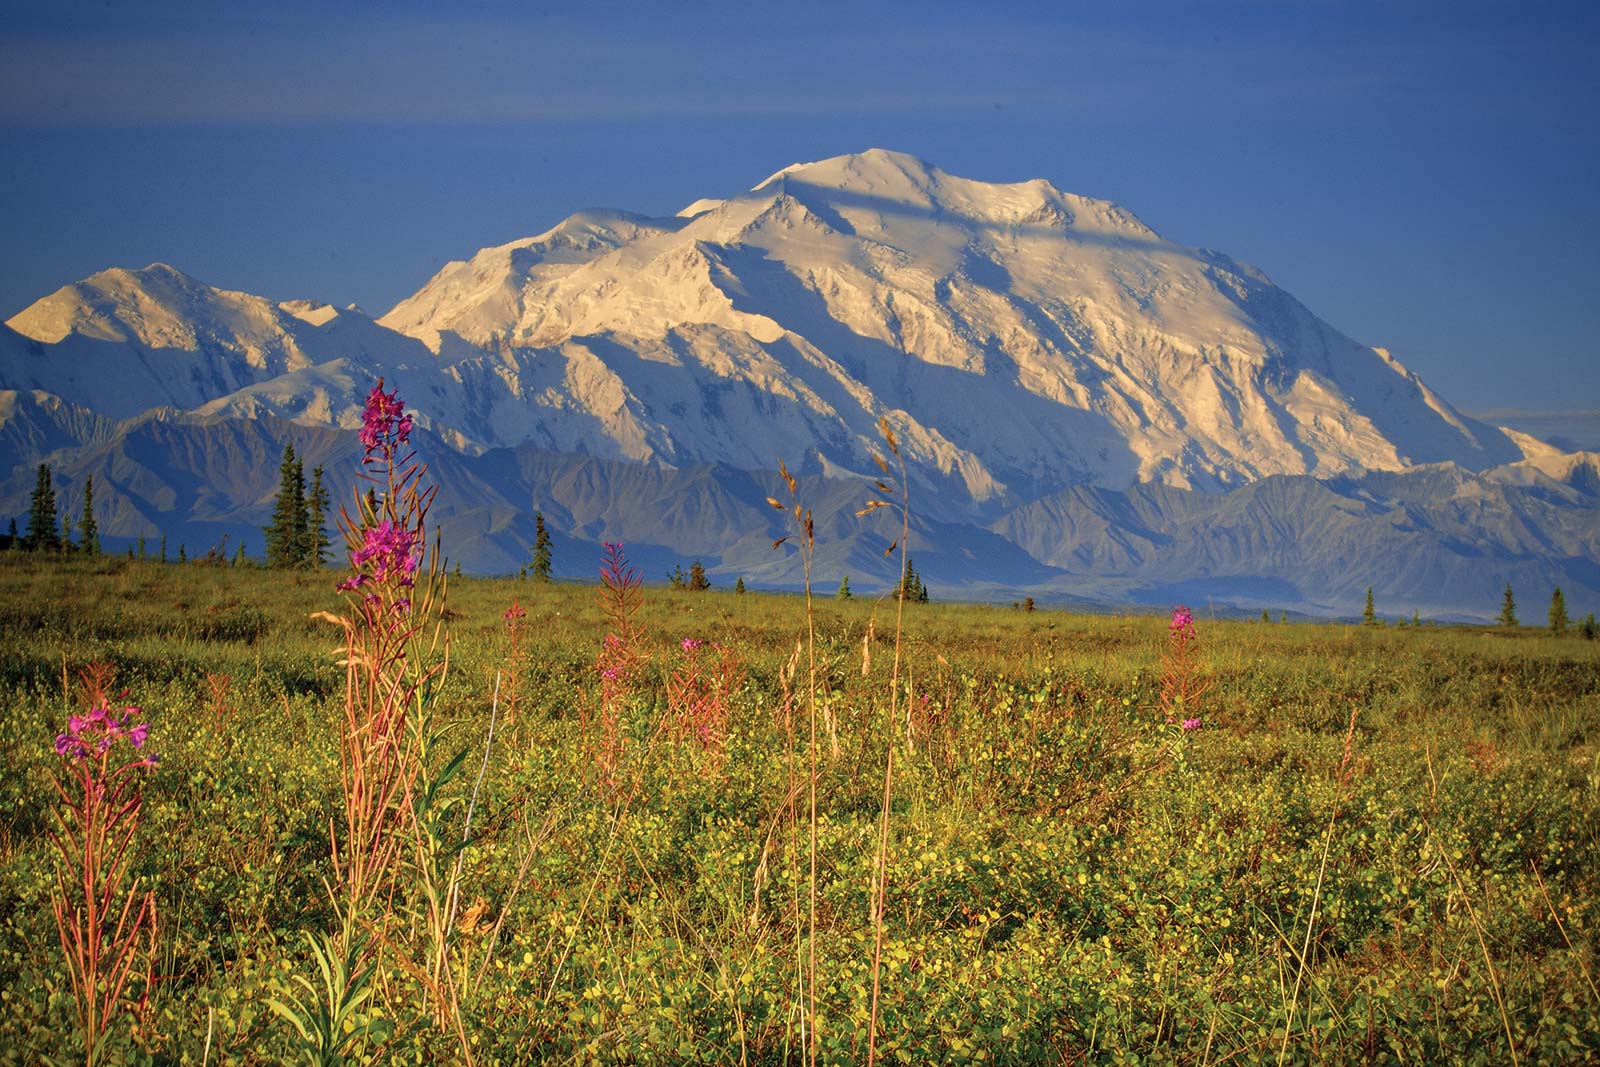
column 1050, row 364
column 1019, row 338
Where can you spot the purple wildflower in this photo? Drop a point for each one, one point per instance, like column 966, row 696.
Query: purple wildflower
column 95, row 732
column 388, row 548
column 691, row 643
column 1182, row 621
column 383, row 419
column 1191, row 724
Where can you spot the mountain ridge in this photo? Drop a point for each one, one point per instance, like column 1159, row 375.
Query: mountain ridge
column 1054, row 370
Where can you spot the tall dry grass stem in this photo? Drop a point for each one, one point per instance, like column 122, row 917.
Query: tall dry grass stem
column 1316, row 895
column 880, row 869
column 805, row 535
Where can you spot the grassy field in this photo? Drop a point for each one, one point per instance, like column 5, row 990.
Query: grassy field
column 1380, row 845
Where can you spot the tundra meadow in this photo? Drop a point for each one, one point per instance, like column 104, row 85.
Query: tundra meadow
column 378, row 814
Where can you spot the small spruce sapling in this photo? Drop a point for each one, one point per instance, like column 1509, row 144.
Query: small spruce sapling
column 1558, row 613
column 1508, row 610
column 541, row 549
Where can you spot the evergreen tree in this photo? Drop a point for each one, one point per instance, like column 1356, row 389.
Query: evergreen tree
column 675, row 577
column 911, row 587
column 89, row 533
column 1558, row 613
column 42, row 513
column 286, row 536
column 141, row 546
column 163, row 548
column 1508, row 609
column 1369, row 614
column 698, row 582
column 738, row 586
column 183, row 553
column 317, row 540
column 1587, row 627
column 239, row 558
column 844, row 589
column 12, row 540
column 541, row 548
column 65, row 542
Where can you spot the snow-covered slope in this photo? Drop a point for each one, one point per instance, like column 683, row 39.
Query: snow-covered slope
column 1020, row 338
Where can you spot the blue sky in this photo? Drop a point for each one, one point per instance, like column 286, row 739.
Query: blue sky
column 1422, row 176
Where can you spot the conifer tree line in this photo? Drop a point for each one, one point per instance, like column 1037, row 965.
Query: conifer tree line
column 48, row 532
column 297, row 538
column 911, row 587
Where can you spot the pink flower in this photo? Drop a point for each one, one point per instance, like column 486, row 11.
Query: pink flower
column 94, row 733
column 514, row 612
column 384, row 423
column 388, row 548
column 1182, row 621
column 1191, row 724
column 691, row 643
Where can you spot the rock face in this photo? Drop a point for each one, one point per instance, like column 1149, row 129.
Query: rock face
column 1063, row 382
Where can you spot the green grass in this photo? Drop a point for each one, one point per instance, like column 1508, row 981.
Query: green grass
column 1069, row 879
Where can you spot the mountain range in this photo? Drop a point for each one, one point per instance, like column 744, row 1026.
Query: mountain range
column 1087, row 411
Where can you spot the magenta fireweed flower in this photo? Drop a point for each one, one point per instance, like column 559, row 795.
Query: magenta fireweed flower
column 691, row 643
column 387, row 548
column 1182, row 622
column 384, row 421
column 1191, row 724
column 94, row 734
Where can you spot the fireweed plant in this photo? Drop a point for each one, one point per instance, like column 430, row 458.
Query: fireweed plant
column 619, row 661
column 395, row 806
column 1182, row 684
column 102, row 916
column 699, row 699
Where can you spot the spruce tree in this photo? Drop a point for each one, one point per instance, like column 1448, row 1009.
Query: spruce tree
column 42, row 531
column 163, row 548
column 287, row 534
column 89, row 533
column 698, row 582
column 911, row 587
column 1508, row 609
column 844, row 589
column 541, row 548
column 317, row 540
column 1587, row 628
column 141, row 546
column 738, row 586
column 1369, row 614
column 1558, row 613
column 65, row 543
column 183, row 553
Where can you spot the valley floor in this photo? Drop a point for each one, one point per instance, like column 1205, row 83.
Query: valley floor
column 1377, row 844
